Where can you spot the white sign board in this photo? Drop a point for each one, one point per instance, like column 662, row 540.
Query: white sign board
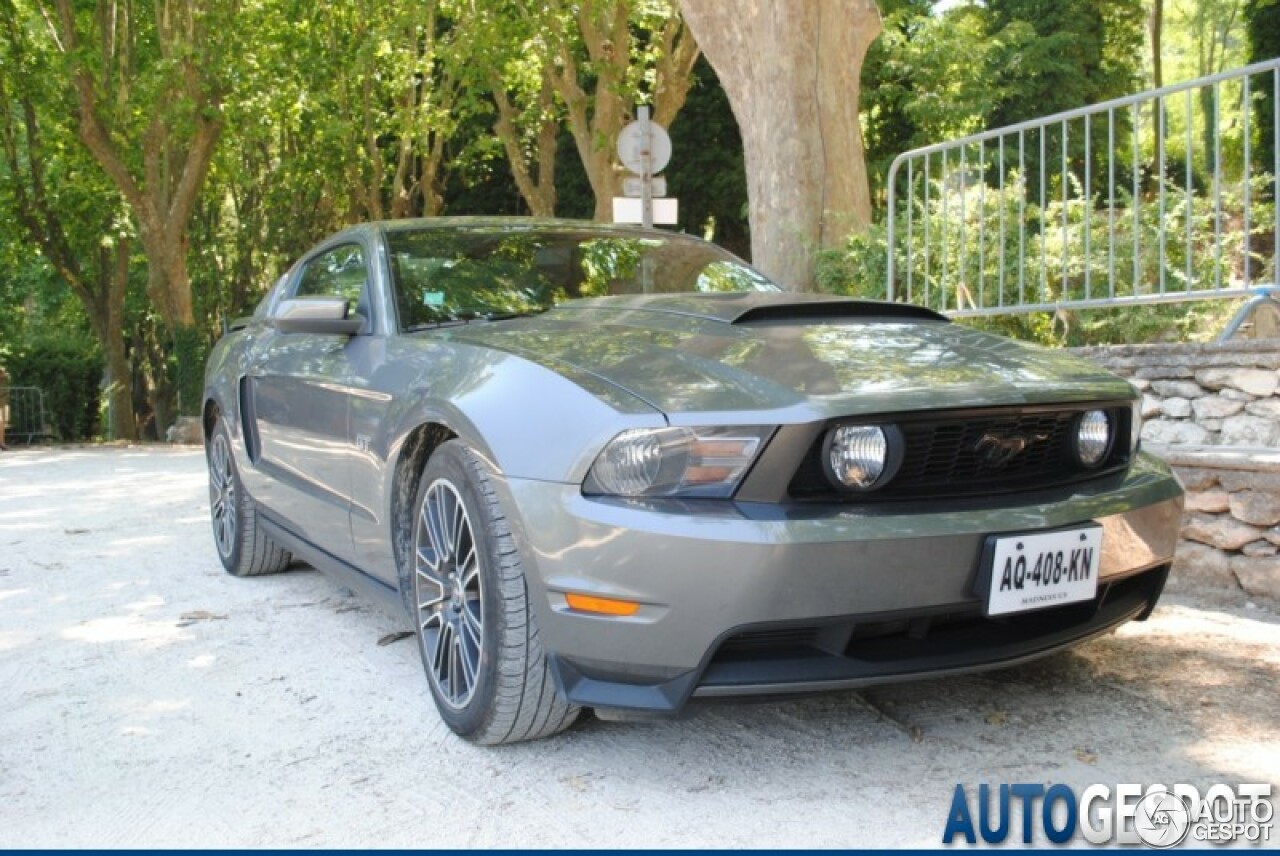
column 632, row 148
column 666, row 212
column 633, row 185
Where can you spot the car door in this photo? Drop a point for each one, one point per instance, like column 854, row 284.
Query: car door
column 301, row 408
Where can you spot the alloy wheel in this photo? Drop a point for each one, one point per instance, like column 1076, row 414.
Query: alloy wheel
column 222, row 495
column 450, row 594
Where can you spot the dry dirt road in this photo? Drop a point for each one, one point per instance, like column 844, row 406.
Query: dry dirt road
column 147, row 699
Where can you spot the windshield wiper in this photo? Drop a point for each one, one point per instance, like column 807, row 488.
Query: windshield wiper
column 468, row 316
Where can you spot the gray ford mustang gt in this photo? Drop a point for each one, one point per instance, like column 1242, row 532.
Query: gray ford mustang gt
column 619, row 468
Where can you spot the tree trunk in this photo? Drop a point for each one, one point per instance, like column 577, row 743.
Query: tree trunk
column 791, row 69
column 596, row 122
column 175, row 162
column 1156, row 23
column 535, row 176
column 598, row 108
column 123, row 424
column 102, row 291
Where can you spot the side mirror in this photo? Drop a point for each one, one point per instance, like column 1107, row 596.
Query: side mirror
column 319, row 315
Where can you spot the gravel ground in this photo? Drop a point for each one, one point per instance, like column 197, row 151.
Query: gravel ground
column 147, row 699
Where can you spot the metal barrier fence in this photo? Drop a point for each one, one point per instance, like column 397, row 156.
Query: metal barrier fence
column 1168, row 195
column 26, row 417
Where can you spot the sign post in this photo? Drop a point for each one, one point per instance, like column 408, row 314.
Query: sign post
column 645, row 149
column 646, row 169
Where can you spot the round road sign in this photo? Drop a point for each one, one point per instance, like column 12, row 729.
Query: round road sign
column 631, row 148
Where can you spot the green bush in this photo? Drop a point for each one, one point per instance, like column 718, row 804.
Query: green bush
column 1068, row 254
column 68, row 369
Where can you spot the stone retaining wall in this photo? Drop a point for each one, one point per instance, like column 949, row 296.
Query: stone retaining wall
column 1231, row 529
column 1213, row 412
column 1217, row 394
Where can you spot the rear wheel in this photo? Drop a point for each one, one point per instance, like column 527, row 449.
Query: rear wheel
column 478, row 639
column 244, row 548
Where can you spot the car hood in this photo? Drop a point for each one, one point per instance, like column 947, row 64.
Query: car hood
column 690, row 355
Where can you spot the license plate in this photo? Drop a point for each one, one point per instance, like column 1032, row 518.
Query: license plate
column 1035, row 571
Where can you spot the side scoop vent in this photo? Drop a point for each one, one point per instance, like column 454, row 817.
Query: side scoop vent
column 828, row 310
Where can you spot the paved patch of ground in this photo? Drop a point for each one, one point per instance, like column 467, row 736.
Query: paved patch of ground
column 148, row 699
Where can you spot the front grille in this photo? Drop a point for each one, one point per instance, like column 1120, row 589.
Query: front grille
column 943, row 457
column 755, row 641
column 867, row 649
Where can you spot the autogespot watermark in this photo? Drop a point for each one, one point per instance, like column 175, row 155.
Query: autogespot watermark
column 1159, row 816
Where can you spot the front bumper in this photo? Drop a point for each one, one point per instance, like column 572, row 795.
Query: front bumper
column 741, row 599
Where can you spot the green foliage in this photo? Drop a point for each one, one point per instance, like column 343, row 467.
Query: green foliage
column 1262, row 20
column 332, row 113
column 190, row 349
column 924, row 79
column 860, row 269
column 934, row 76
column 968, row 264
column 1059, row 55
column 68, row 369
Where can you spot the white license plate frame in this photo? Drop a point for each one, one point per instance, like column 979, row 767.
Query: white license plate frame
column 1029, row 571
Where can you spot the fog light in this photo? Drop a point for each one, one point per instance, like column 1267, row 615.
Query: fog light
column 861, row 456
column 1093, row 438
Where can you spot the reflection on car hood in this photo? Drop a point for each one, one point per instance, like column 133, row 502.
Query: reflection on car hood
column 700, row 354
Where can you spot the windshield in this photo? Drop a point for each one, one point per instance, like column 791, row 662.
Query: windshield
column 450, row 275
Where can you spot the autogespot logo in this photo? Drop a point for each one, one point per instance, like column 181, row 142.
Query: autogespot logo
column 1154, row 815
column 1161, row 819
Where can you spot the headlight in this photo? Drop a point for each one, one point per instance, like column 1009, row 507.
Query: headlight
column 862, row 457
column 1135, row 424
column 706, row 462
column 1093, row 438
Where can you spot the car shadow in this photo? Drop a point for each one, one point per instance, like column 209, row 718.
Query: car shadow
column 1186, row 697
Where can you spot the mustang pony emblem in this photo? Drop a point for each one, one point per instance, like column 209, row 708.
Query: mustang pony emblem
column 997, row 451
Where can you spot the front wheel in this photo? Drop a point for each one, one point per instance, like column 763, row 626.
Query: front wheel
column 244, row 548
column 477, row 636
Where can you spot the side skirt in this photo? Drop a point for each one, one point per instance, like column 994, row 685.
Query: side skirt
column 386, row 597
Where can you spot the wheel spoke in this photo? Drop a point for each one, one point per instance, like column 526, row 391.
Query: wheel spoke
column 426, row 575
column 442, row 654
column 222, row 494
column 448, row 511
column 429, row 559
column 455, row 546
column 431, row 603
column 448, row 590
column 468, row 666
column 426, row 536
column 469, row 571
column 472, row 626
column 467, row 548
column 435, row 521
column 218, row 465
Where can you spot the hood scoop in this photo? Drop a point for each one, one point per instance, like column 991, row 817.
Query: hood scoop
column 757, row 307
column 816, row 310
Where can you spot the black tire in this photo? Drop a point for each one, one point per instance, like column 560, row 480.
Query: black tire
column 473, row 603
column 244, row 548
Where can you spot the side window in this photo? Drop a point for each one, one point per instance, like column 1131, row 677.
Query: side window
column 340, row 272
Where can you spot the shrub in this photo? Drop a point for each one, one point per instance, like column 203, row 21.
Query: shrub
column 951, row 253
column 68, row 369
